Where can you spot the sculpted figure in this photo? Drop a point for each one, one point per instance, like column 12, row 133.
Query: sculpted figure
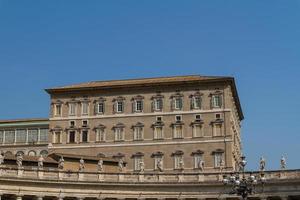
column 142, row 166
column 181, row 163
column 159, row 165
column 41, row 161
column 262, row 164
column 1, row 158
column 121, row 165
column 282, row 163
column 19, row 160
column 81, row 165
column 200, row 165
column 100, row 165
column 61, row 163
column 222, row 164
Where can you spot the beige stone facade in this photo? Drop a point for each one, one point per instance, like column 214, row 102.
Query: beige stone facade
column 177, row 120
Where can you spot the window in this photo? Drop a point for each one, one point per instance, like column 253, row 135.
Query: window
column 32, row 135
column 217, row 129
column 58, row 109
column 84, row 136
column 178, row 118
column 178, row 103
column 9, row 136
column 159, row 118
column 84, row 123
column 44, row 153
column 158, row 132
column 158, row 104
column 198, row 117
column 72, row 109
column 198, row 160
column 216, row 101
column 32, row 153
column 100, row 135
column 197, row 130
column 218, row 158
column 119, row 134
column 44, row 135
column 138, row 133
column 100, row 109
column 178, row 162
column 137, row 160
column 158, row 162
column 138, row 105
column 1, row 136
column 72, row 137
column 177, row 131
column 196, row 102
column 56, row 137
column 72, row 123
column 120, row 106
column 85, row 108
column 218, row 116
column 21, row 135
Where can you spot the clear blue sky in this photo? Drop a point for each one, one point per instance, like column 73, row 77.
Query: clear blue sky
column 51, row 43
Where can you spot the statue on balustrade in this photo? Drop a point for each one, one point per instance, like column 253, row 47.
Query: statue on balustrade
column 100, row 165
column 200, row 165
column 181, row 163
column 262, row 164
column 159, row 165
column 121, row 165
column 142, row 166
column 61, row 163
column 41, row 161
column 1, row 158
column 282, row 163
column 19, row 160
column 81, row 165
column 222, row 164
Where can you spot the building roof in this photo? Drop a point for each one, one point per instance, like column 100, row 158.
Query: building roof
column 24, row 122
column 149, row 82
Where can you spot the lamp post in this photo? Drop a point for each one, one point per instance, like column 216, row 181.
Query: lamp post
column 243, row 186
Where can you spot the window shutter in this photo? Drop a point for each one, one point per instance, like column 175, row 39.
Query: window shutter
column 114, row 106
column 142, row 105
column 133, row 106
column 172, row 104
column 192, row 103
column 95, row 108
column 220, row 98
column 161, row 104
column 153, row 105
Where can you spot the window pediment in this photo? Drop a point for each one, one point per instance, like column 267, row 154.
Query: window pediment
column 176, row 95
column 158, row 123
column 218, row 151
column 57, row 102
column 100, row 126
column 196, row 94
column 177, row 153
column 119, row 98
column 118, row 125
column 157, row 154
column 198, row 152
column 139, row 124
column 137, row 154
column 138, row 97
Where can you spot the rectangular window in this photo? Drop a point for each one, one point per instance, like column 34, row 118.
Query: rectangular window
column 198, row 117
column 32, row 135
column 119, row 134
column 178, row 162
column 218, row 116
column 84, row 135
column 57, row 111
column 197, row 130
column 158, row 132
column 217, row 129
column 158, row 162
column 216, row 101
column 44, row 135
column 21, row 135
column 158, row 104
column 72, row 109
column 120, row 106
column 197, row 102
column 100, row 107
column 138, row 133
column 100, row 135
column 72, row 135
column 137, row 163
column 84, row 123
column 9, row 137
column 56, row 137
column 178, row 118
column 178, row 133
column 159, row 118
column 138, row 105
column 178, row 103
column 72, row 123
column 85, row 108
column 218, row 159
column 1, row 137
column 197, row 161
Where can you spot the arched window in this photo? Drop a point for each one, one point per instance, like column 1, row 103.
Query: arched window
column 44, row 153
column 32, row 153
column 20, row 153
column 8, row 153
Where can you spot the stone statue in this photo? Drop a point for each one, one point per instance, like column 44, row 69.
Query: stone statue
column 142, row 166
column 19, row 160
column 181, row 163
column 282, row 163
column 41, row 161
column 262, row 164
column 222, row 164
column 200, row 165
column 121, row 165
column 1, row 158
column 61, row 163
column 159, row 165
column 81, row 165
column 100, row 165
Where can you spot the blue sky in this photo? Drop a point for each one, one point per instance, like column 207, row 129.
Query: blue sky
column 52, row 43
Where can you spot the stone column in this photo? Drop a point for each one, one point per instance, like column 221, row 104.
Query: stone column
column 39, row 198
column 19, row 198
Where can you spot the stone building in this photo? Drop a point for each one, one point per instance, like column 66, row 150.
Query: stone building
column 176, row 121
